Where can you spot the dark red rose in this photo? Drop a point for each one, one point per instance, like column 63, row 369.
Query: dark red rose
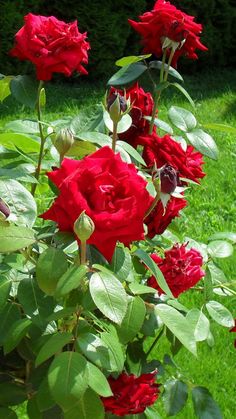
column 168, row 178
column 166, row 21
column 131, row 394
column 111, row 99
column 181, row 268
column 159, row 219
column 142, row 105
column 234, row 330
column 52, row 45
column 165, row 150
column 111, row 192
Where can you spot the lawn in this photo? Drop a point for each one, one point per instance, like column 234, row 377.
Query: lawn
column 212, row 208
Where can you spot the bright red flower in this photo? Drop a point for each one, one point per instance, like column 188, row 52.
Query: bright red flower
column 166, row 21
column 234, row 330
column 165, row 150
column 181, row 268
column 52, row 45
column 159, row 219
column 142, row 105
column 111, row 192
column 131, row 394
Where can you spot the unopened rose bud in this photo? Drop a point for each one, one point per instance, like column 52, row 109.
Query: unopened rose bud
column 84, row 227
column 116, row 105
column 4, row 210
column 168, row 178
column 63, row 140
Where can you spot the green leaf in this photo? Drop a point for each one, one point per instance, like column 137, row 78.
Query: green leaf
column 131, row 59
column 123, row 125
column 200, row 324
column 14, row 141
column 184, row 92
column 220, row 249
column 24, row 89
column 70, row 369
column 116, row 353
column 150, row 413
column 178, row 325
column 6, row 413
column 133, row 320
column 81, row 149
column 131, row 151
column 14, row 238
column 205, row 406
column 33, row 411
column 122, row 264
column 175, row 396
column 109, row 295
column 71, row 279
column 44, row 398
column 54, row 344
column 95, row 137
column 20, row 201
column 36, row 304
column 220, row 313
column 12, row 394
column 182, row 119
column 217, row 275
column 24, row 126
column 87, row 407
column 15, row 334
column 5, row 287
column 152, row 266
column 97, row 381
column 51, row 265
column 160, row 124
column 5, row 87
column 204, row 143
column 8, row 315
column 172, row 72
column 208, row 286
column 220, row 127
column 127, row 74
column 227, row 235
column 139, row 289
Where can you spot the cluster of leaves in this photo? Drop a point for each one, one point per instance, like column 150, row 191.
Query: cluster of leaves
column 66, row 327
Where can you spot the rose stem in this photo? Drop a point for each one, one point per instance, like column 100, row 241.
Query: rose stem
column 157, row 94
column 156, row 199
column 154, row 342
column 38, row 168
column 114, row 136
column 168, row 64
column 83, row 252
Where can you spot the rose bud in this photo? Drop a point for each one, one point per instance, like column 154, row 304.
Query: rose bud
column 63, row 140
column 4, row 210
column 116, row 105
column 84, row 227
column 168, row 178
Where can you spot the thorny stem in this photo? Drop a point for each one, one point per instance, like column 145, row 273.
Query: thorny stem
column 154, row 342
column 168, row 64
column 114, row 136
column 157, row 94
column 42, row 138
column 151, row 208
column 83, row 253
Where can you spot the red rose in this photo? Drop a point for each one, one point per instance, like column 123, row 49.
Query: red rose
column 159, row 219
column 52, row 45
column 111, row 192
column 131, row 394
column 181, row 268
column 166, row 21
column 142, row 105
column 234, row 330
column 165, row 150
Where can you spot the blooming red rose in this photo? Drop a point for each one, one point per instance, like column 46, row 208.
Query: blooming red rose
column 181, row 268
column 165, row 21
column 165, row 150
column 111, row 192
column 142, row 105
column 159, row 219
column 52, row 45
column 234, row 330
column 131, row 394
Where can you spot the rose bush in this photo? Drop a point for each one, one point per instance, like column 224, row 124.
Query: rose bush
column 85, row 299
column 52, row 45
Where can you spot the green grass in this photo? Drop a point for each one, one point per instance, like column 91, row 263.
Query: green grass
column 212, row 208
